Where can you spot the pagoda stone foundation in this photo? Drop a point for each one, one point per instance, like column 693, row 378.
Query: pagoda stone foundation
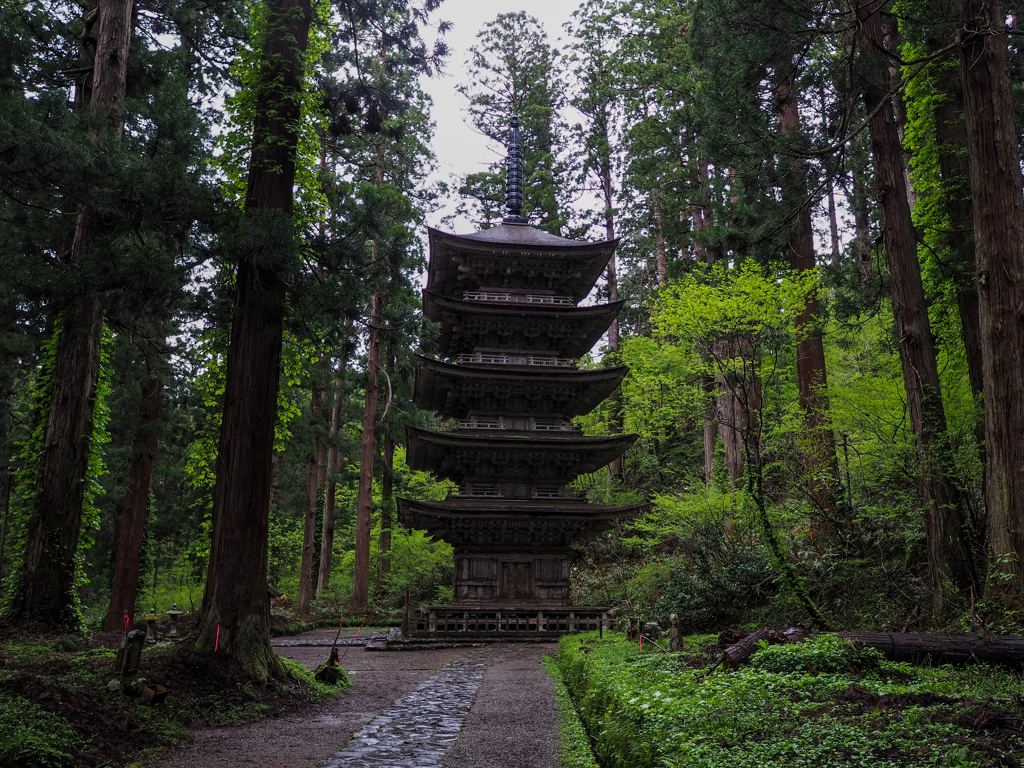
column 507, row 301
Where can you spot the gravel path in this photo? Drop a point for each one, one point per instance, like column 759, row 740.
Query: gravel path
column 465, row 707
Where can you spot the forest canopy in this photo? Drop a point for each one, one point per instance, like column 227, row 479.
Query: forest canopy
column 212, row 248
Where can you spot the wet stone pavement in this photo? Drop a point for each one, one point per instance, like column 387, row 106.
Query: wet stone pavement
column 418, row 728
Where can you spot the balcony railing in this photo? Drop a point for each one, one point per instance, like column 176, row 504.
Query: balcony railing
column 487, row 358
column 513, row 620
column 513, row 491
column 531, row 424
column 518, row 298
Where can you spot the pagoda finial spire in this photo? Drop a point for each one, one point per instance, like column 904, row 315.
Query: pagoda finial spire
column 514, row 177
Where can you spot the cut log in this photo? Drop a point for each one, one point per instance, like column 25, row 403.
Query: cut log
column 737, row 653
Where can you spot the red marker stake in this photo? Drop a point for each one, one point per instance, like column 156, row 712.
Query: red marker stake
column 216, row 643
column 126, row 622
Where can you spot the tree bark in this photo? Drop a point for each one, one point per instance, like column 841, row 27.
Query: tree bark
column 364, row 505
column 43, row 594
column 125, row 584
column 862, row 231
column 822, row 465
column 939, row 648
column 235, row 617
column 660, row 246
column 315, row 475
column 999, row 263
column 705, row 256
column 387, row 492
column 334, row 459
column 950, row 569
column 616, row 425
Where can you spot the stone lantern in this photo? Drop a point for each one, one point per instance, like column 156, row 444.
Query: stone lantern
column 172, row 617
column 151, row 621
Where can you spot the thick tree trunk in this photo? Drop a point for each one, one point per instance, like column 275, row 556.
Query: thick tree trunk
column 955, row 167
column 364, row 504
column 616, row 425
column 387, row 492
column 862, row 231
column 235, row 621
column 315, row 474
column 999, row 261
column 833, row 224
column 44, row 589
column 822, row 465
column 731, row 425
column 660, row 246
column 950, row 568
column 334, row 459
column 125, row 583
column 704, row 256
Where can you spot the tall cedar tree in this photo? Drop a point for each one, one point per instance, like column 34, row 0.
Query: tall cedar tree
column 44, row 590
column 596, row 97
column 235, row 618
column 125, row 584
column 999, row 262
column 513, row 70
column 950, row 569
column 822, row 464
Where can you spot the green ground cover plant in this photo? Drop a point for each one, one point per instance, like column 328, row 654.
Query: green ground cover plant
column 821, row 703
column 57, row 711
column 574, row 745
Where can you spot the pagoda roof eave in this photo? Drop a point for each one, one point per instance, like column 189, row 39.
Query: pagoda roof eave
column 567, row 392
column 517, row 455
column 445, row 276
column 590, row 322
column 524, row 523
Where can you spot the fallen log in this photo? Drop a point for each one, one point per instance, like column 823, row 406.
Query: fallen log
column 940, row 648
column 742, row 649
column 737, row 653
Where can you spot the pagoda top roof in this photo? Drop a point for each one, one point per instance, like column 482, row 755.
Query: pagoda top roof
column 455, row 390
column 520, row 234
column 569, row 267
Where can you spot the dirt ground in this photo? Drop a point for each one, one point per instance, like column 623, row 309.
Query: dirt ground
column 512, row 724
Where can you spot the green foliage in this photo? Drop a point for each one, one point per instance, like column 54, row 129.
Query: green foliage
column 235, row 141
column 31, row 736
column 30, row 451
column 574, row 745
column 819, row 703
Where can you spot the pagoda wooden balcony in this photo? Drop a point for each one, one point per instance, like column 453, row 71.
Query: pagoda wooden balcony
column 518, row 423
column 519, row 298
column 544, row 361
column 516, row 621
column 513, row 491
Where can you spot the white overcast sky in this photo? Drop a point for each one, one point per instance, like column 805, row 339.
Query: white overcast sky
column 460, row 149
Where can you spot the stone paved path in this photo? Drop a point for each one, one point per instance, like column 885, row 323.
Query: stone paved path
column 480, row 707
column 417, row 730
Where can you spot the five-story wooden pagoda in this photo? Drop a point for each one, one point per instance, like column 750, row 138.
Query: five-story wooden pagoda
column 511, row 329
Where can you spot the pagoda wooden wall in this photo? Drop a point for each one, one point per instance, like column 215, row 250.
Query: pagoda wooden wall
column 514, row 578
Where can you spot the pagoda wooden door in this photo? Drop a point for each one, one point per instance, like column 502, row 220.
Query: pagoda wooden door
column 516, row 580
